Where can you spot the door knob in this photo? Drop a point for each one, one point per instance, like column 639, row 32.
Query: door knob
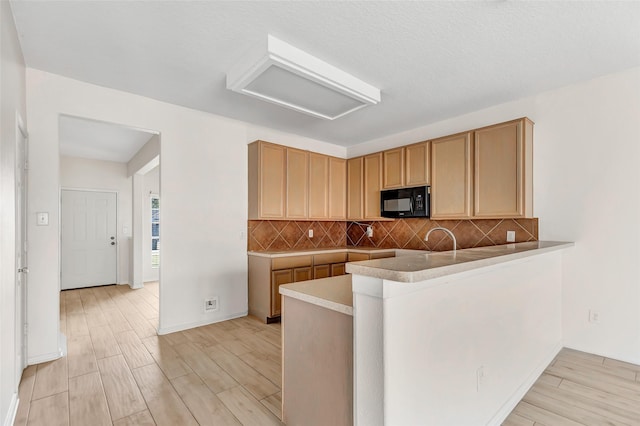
column 113, row 238
column 113, row 243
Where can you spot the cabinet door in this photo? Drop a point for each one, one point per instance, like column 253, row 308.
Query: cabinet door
column 451, row 177
column 417, row 164
column 302, row 274
column 338, row 269
column 372, row 185
column 321, row 271
column 499, row 167
column 318, row 186
column 297, row 184
column 337, row 188
column 270, row 185
column 393, row 168
column 354, row 188
column 278, row 278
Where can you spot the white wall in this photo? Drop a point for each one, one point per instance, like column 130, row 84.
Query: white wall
column 587, row 190
column 434, row 336
column 12, row 102
column 151, row 186
column 82, row 173
column 204, row 199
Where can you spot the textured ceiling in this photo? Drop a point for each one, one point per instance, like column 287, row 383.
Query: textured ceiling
column 432, row 60
column 98, row 140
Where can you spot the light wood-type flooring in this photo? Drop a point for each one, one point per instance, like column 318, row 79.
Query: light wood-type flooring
column 578, row 388
column 118, row 371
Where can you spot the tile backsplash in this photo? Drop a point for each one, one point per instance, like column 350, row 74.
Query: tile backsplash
column 286, row 235
column 410, row 233
column 401, row 233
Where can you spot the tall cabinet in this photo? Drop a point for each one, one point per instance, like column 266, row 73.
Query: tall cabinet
column 267, row 180
column 503, row 170
column 451, row 174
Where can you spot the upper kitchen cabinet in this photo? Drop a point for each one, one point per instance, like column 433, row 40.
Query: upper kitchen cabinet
column 451, row 176
column 372, row 185
column 355, row 170
column 418, row 164
column 327, row 187
column 318, row 186
column 393, row 168
column 337, row 188
column 503, row 176
column 267, row 180
column 297, row 176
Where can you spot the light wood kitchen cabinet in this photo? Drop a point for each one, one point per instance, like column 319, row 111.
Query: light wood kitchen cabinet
column 451, row 177
column 321, row 271
column 418, row 164
column 338, row 269
column 503, row 163
column 267, row 180
column 327, row 264
column 327, row 187
column 393, row 175
column 355, row 169
column 357, row 257
column 297, row 174
column 337, row 197
column 279, row 278
column 266, row 275
column 372, row 185
column 318, row 186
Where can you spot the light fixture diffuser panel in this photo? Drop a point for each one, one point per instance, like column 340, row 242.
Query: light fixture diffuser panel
column 287, row 76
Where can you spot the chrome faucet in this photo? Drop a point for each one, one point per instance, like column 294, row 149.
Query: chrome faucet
column 439, row 228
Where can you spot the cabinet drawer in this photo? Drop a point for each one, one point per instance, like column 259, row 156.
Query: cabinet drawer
column 290, row 262
column 321, row 259
column 382, row 255
column 356, row 257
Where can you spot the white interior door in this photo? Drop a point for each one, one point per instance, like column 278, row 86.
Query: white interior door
column 89, row 244
column 21, row 252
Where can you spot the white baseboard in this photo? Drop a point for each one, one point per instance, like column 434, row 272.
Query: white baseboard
column 11, row 412
column 517, row 396
column 186, row 326
column 635, row 361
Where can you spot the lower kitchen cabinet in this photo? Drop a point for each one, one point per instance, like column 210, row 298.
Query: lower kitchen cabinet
column 338, row 269
column 267, row 274
column 321, row 271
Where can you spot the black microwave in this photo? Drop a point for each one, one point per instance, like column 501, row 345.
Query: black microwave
column 405, row 202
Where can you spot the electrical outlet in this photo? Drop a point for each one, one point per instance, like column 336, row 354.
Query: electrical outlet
column 310, row 233
column 594, row 316
column 480, row 377
column 511, row 236
column 211, row 305
column 370, row 231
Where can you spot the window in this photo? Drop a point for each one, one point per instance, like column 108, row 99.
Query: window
column 155, row 231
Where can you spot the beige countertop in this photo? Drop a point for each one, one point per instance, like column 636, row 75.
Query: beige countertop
column 335, row 293
column 332, row 293
column 348, row 249
column 421, row 267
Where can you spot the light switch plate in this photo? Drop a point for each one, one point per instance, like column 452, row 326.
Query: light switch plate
column 42, row 218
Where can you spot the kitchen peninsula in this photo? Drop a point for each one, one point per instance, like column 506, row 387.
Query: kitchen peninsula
column 430, row 333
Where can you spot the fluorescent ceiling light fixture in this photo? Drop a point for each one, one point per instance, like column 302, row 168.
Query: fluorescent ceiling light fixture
column 289, row 77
